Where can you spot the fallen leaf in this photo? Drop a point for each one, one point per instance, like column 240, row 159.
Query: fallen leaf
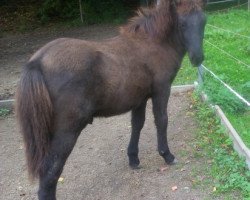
column 174, row 188
column 188, row 161
column 162, row 169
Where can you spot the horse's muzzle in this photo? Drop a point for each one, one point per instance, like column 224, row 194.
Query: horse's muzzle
column 196, row 59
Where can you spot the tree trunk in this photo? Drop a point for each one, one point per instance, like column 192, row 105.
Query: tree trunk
column 81, row 13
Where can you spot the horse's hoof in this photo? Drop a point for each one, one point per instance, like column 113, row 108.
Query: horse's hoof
column 175, row 161
column 134, row 162
column 135, row 167
column 169, row 159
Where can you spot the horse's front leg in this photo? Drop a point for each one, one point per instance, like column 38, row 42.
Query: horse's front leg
column 137, row 121
column 160, row 101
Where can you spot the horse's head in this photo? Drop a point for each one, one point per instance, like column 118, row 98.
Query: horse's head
column 191, row 24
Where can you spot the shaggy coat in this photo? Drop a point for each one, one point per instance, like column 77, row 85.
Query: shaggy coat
column 68, row 82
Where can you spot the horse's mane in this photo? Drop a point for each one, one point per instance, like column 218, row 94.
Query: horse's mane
column 152, row 23
column 156, row 23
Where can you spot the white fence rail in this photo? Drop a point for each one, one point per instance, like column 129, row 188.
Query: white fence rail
column 223, row 1
column 201, row 73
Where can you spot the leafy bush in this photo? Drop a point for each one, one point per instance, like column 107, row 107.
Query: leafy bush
column 58, row 9
column 94, row 11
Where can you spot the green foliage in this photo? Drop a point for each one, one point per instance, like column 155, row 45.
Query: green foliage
column 226, row 167
column 4, row 112
column 24, row 15
column 241, row 122
column 104, row 11
column 58, row 9
column 93, row 11
column 221, row 96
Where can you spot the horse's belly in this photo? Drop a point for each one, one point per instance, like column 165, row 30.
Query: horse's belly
column 121, row 104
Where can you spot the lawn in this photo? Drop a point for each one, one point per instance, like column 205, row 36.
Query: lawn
column 236, row 73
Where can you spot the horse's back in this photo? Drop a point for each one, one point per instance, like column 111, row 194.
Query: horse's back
column 65, row 54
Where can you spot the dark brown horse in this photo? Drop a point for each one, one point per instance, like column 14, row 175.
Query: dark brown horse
column 68, row 82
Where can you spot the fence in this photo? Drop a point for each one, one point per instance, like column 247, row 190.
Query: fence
column 222, row 1
column 203, row 70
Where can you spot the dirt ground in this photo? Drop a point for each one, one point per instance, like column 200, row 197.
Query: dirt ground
column 98, row 166
column 15, row 50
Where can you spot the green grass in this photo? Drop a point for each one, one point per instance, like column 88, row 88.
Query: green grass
column 230, row 71
column 242, row 124
column 228, row 172
column 187, row 73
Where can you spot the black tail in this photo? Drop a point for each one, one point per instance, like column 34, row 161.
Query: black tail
column 34, row 113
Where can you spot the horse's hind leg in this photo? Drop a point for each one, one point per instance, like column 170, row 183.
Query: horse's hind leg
column 67, row 130
column 138, row 119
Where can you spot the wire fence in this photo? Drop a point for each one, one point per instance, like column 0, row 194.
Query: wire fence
column 228, row 54
column 239, row 96
column 230, row 8
column 231, row 32
column 202, row 68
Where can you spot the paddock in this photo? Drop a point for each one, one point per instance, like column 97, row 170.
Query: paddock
column 88, row 174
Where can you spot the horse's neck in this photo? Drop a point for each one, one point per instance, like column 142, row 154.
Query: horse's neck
column 174, row 42
column 174, row 39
